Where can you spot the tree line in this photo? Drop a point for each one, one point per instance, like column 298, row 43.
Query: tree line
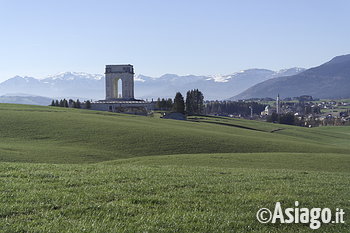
column 233, row 107
column 70, row 103
column 193, row 105
column 284, row 118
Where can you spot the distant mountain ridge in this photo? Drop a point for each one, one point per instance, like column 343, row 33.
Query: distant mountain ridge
column 61, row 85
column 92, row 86
column 329, row 80
column 25, row 99
column 214, row 87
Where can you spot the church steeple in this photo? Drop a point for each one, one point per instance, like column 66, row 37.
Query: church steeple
column 278, row 104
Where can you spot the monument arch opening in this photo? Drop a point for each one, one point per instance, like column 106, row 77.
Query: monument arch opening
column 119, row 88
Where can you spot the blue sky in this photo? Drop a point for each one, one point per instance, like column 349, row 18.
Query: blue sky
column 39, row 38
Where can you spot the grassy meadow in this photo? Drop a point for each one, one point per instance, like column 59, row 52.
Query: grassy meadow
column 70, row 170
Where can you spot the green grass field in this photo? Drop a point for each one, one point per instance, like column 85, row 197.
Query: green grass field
column 69, row 170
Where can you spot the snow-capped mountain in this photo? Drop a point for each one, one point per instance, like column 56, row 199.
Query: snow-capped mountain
column 73, row 76
column 92, row 86
column 68, row 84
column 214, row 87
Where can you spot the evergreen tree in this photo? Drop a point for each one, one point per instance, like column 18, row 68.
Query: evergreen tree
column 179, row 103
column 70, row 102
column 287, row 119
column 53, row 103
column 57, row 104
column 88, row 104
column 169, row 104
column 78, row 104
column 65, row 103
column 164, row 104
column 158, row 103
column 199, row 102
column 189, row 102
column 194, row 102
column 273, row 117
column 61, row 103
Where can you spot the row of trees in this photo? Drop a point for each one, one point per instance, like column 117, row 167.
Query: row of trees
column 164, row 104
column 70, row 103
column 290, row 119
column 232, row 107
column 179, row 103
column 194, row 103
column 287, row 118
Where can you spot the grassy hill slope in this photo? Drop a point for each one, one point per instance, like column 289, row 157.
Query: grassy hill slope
column 177, row 193
column 59, row 135
column 104, row 172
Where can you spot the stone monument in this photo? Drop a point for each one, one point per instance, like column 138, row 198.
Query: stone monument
column 114, row 73
column 125, row 101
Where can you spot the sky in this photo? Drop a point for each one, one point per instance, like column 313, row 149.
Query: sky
column 200, row 37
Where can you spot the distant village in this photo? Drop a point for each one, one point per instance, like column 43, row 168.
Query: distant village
column 302, row 111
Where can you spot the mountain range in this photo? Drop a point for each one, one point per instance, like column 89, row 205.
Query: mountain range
column 214, row 87
column 65, row 85
column 330, row 80
column 92, row 86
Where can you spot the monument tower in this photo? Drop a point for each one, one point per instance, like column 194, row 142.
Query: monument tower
column 114, row 73
column 125, row 101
